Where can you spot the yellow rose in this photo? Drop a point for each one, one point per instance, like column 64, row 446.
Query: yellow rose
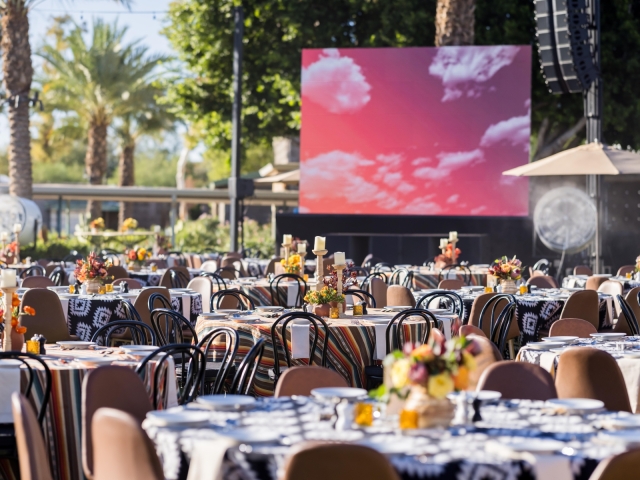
column 140, row 256
column 505, row 268
column 469, row 361
column 400, row 373
column 439, row 386
column 143, row 251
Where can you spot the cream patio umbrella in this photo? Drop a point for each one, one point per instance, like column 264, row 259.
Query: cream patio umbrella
column 589, row 159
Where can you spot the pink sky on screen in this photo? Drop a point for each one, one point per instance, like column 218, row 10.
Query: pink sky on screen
column 415, row 131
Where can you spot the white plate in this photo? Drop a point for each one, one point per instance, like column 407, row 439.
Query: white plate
column 374, row 320
column 621, row 436
column 440, row 311
column 621, row 423
column 544, row 345
column 472, row 288
column 399, row 308
column 329, row 393
column 561, row 339
column 139, row 348
column 534, row 445
column 169, row 418
column 74, row 345
column 181, row 290
column 608, row 336
column 227, row 311
column 214, row 316
column 253, row 435
column 389, row 445
column 269, row 309
column 95, row 360
column 482, row 395
column 226, row 402
column 127, row 295
column 577, row 405
column 247, row 319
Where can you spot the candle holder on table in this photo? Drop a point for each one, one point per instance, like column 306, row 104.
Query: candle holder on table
column 8, row 307
column 339, row 269
column 319, row 276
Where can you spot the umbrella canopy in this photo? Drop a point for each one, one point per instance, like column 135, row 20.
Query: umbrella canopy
column 589, row 159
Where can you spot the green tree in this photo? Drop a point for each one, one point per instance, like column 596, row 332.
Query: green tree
column 98, row 82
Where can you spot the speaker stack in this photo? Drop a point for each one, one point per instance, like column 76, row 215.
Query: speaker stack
column 563, row 29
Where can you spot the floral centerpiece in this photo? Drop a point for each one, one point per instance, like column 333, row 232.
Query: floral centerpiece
column 446, row 258
column 137, row 257
column 323, row 300
column 92, row 271
column 129, row 224
column 291, row 264
column 10, row 252
column 97, row 224
column 425, row 375
column 349, row 278
column 507, row 271
column 17, row 330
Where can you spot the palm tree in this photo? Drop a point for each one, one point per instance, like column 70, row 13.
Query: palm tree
column 455, row 22
column 144, row 116
column 95, row 82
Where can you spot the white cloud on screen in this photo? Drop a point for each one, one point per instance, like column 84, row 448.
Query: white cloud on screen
column 453, row 198
column 463, row 69
column 336, row 83
column 449, row 162
column 515, row 130
column 478, row 210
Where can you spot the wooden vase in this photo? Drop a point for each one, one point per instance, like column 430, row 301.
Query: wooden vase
column 322, row 310
column 432, row 412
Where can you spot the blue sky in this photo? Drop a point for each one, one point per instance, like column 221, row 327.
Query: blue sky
column 141, row 26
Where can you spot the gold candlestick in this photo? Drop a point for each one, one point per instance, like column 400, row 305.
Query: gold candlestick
column 319, row 276
column 8, row 299
column 339, row 269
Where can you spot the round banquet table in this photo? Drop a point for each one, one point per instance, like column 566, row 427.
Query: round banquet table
column 474, row 452
column 627, row 360
column 85, row 314
column 580, row 281
column 63, row 422
column 423, row 278
column 144, row 275
column 259, row 292
column 354, row 343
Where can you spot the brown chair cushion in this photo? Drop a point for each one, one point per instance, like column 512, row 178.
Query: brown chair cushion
column 301, row 380
column 518, row 380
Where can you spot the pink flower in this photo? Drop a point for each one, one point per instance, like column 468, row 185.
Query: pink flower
column 418, row 373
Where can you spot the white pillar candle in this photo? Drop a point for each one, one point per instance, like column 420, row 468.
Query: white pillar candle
column 302, row 247
column 17, row 227
column 453, row 236
column 4, row 236
column 443, row 243
column 319, row 243
column 287, row 239
column 338, row 258
column 8, row 278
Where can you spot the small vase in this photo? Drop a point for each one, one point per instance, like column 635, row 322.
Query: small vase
column 342, row 304
column 508, row 286
column 17, row 341
column 432, row 412
column 93, row 286
column 322, row 310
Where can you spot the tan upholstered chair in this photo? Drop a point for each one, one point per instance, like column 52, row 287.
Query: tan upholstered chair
column 32, row 451
column 622, row 271
column 594, row 282
column 116, row 271
column 398, row 296
column 141, row 303
column 466, row 330
column 132, row 282
column 451, row 284
column 112, row 387
column 196, row 261
column 49, row 318
column 337, row 461
column 623, row 466
column 585, row 372
column 582, row 270
column 572, row 327
column 543, row 281
column 621, row 324
column 122, row 449
column 165, row 280
column 611, row 287
column 37, row 282
column 488, row 355
column 209, row 266
column 476, row 309
column 378, row 289
column 584, row 305
column 301, row 380
column 204, row 287
column 518, row 380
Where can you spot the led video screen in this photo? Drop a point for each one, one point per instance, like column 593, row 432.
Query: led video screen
column 415, row 131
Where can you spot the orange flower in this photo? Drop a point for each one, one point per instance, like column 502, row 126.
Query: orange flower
column 16, row 301
column 14, row 322
column 29, row 310
column 461, row 380
column 21, row 330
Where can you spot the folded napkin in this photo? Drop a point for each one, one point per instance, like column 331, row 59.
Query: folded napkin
column 10, row 381
column 292, row 293
column 207, row 457
column 548, row 362
column 300, row 340
column 446, row 325
column 186, row 306
column 381, row 343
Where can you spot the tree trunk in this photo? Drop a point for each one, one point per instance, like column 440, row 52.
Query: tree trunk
column 17, row 72
column 127, row 179
column 96, row 162
column 181, row 169
column 455, row 22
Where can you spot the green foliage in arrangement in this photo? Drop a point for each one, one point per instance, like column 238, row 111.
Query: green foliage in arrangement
column 54, row 248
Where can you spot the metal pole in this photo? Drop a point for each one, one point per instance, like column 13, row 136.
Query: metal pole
column 68, row 218
column 236, row 127
column 593, row 114
column 59, row 216
column 172, row 219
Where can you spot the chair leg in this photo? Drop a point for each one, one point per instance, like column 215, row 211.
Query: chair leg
column 512, row 353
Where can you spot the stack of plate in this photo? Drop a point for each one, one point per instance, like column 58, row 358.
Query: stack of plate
column 74, row 345
column 226, row 402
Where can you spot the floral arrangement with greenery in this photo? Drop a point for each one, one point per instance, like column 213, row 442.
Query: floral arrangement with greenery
column 326, row 295
column 448, row 252
column 637, row 264
column 506, row 269
column 16, row 313
column 349, row 278
column 91, row 268
column 139, row 255
column 292, row 264
column 129, row 224
column 97, row 224
column 440, row 367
